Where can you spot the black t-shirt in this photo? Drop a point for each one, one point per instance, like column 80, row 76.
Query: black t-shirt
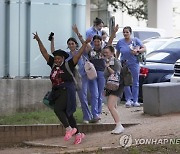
column 63, row 75
column 96, row 57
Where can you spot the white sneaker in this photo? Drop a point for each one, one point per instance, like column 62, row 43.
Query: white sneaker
column 128, row 103
column 85, row 122
column 136, row 104
column 118, row 130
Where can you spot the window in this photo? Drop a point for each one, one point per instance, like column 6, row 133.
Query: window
column 142, row 35
column 157, row 56
column 173, row 45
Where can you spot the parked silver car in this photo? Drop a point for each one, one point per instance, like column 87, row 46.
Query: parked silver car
column 161, row 43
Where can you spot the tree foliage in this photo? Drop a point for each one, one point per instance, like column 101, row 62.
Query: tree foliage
column 137, row 8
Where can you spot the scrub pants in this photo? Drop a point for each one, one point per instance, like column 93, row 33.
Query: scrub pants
column 132, row 94
column 84, row 100
column 96, row 88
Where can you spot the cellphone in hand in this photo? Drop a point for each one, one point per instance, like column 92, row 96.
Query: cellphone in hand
column 50, row 36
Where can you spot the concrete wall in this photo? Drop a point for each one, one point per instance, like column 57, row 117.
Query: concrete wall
column 22, row 95
column 160, row 15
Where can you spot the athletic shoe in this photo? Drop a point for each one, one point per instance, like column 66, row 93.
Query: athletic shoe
column 95, row 120
column 78, row 138
column 69, row 133
column 128, row 103
column 85, row 122
column 136, row 104
column 118, row 130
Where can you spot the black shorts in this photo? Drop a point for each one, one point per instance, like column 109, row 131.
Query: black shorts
column 117, row 93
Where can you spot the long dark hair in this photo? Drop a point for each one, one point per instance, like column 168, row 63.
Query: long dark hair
column 129, row 28
column 74, row 40
column 110, row 47
column 97, row 37
column 97, row 21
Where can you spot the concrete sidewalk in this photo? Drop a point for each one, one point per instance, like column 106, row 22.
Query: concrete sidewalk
column 167, row 126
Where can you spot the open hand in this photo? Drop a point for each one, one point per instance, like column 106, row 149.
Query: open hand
column 75, row 29
column 116, row 28
column 36, row 37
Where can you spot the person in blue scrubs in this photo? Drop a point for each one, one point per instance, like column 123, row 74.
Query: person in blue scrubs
column 128, row 48
column 73, row 50
column 96, row 86
column 95, row 29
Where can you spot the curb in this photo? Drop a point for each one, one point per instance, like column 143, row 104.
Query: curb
column 82, row 150
column 29, row 143
column 15, row 134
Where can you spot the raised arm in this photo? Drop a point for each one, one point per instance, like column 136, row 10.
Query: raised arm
column 52, row 45
column 117, row 54
column 41, row 47
column 113, row 34
column 81, row 50
column 75, row 29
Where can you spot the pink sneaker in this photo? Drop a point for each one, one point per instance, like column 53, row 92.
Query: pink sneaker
column 69, row 134
column 78, row 138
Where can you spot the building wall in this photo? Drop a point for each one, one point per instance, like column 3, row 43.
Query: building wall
column 176, row 18
column 19, row 53
column 160, row 15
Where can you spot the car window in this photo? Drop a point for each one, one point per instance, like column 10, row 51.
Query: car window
column 156, row 56
column 142, row 35
column 173, row 45
column 153, row 45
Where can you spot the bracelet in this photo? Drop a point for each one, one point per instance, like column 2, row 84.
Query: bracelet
column 78, row 34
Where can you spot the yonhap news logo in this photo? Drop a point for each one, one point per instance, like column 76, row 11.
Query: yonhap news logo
column 127, row 141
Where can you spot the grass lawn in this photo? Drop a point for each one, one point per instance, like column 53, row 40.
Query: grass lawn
column 46, row 116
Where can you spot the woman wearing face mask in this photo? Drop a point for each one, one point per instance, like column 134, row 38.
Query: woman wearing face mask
column 95, row 29
column 129, row 49
column 113, row 66
column 73, row 50
column 63, row 87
